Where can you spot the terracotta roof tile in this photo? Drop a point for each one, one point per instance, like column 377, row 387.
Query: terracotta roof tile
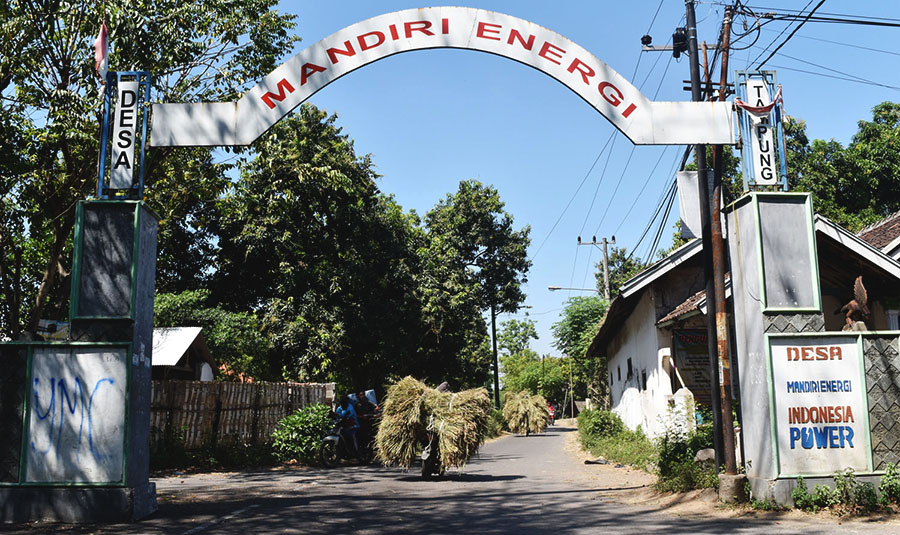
column 687, row 306
column 882, row 233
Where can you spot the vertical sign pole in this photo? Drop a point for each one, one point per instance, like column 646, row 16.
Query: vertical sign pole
column 706, row 227
column 104, row 135
column 718, row 243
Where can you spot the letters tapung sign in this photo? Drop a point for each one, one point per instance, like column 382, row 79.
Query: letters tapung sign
column 762, row 140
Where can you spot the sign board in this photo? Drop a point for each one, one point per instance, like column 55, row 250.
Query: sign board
column 125, row 121
column 820, row 423
column 641, row 120
column 692, row 361
column 762, row 141
column 76, row 420
column 760, row 115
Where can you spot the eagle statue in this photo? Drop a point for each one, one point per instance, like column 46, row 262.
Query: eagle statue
column 856, row 309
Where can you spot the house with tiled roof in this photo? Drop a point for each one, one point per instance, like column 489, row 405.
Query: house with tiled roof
column 884, row 235
column 654, row 337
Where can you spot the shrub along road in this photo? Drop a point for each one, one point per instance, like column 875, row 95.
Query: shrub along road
column 515, row 485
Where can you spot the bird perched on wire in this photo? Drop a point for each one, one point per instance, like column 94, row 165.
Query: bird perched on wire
column 856, row 309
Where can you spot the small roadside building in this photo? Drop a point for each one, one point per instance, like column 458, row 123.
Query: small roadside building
column 815, row 394
column 181, row 353
column 654, row 337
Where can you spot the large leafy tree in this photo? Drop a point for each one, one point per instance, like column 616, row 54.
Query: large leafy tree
column 306, row 239
column 573, row 333
column 347, row 286
column 475, row 237
column 50, row 112
column 854, row 185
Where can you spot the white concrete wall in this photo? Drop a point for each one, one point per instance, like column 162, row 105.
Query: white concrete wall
column 640, row 340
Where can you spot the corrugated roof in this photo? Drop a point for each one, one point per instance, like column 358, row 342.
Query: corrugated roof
column 171, row 343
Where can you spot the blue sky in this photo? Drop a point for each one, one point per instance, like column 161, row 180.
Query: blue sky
column 433, row 118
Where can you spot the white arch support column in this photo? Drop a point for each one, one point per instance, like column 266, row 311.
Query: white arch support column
column 643, row 121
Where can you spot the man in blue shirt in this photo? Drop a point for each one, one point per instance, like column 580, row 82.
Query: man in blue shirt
column 349, row 422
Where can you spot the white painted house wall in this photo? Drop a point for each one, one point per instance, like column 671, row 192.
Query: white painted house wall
column 640, row 340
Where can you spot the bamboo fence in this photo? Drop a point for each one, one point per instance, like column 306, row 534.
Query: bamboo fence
column 204, row 413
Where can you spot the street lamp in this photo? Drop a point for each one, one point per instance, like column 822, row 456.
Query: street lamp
column 555, row 288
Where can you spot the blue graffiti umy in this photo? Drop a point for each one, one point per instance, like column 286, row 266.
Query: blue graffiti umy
column 79, row 410
column 76, row 423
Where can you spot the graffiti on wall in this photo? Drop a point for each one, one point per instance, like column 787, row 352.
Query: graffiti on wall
column 76, row 424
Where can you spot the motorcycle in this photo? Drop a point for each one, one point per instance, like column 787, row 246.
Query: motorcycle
column 431, row 457
column 335, row 446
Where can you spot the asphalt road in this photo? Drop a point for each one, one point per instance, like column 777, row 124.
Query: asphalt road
column 516, row 485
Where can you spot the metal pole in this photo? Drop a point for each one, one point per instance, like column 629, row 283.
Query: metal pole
column 719, row 270
column 496, row 360
column 706, row 224
column 606, row 269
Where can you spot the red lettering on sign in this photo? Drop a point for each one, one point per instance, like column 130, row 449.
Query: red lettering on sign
column 445, row 26
column 546, row 52
column 516, row 36
column 485, row 28
column 346, row 51
column 363, row 40
column 628, row 110
column 284, row 87
column 417, row 26
column 795, row 351
column 308, row 70
column 580, row 66
column 836, row 352
column 394, row 34
column 613, row 95
column 806, row 353
column 821, row 353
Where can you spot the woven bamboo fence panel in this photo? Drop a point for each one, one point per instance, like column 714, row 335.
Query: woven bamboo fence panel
column 205, row 413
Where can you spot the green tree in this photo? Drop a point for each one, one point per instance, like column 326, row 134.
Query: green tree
column 471, row 232
column 306, row 239
column 50, row 112
column 234, row 338
column 515, row 336
column 573, row 333
column 856, row 185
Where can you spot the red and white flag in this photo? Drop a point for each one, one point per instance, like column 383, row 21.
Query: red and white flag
column 101, row 61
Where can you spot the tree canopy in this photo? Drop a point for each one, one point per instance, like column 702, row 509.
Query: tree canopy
column 50, row 116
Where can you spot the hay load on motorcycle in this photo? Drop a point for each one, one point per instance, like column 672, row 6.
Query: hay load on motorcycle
column 448, row 426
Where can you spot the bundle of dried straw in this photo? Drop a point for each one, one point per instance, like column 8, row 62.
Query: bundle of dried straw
column 412, row 410
column 525, row 413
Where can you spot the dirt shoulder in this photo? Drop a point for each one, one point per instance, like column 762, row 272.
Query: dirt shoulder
column 631, row 486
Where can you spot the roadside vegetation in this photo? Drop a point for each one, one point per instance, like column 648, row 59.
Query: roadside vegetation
column 671, row 457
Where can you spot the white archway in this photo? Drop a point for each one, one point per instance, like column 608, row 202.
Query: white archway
column 643, row 121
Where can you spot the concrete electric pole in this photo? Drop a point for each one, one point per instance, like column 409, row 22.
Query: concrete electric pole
column 603, row 242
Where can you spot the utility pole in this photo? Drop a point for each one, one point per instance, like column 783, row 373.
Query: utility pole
column 718, row 247
column 706, row 232
column 603, row 242
column 496, row 360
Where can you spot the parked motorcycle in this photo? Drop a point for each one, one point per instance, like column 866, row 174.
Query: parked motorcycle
column 336, row 446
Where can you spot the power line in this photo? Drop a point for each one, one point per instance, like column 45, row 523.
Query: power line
column 795, row 30
column 870, row 49
column 599, row 182
column 574, row 195
column 798, row 12
column 777, row 37
column 638, row 196
column 844, row 78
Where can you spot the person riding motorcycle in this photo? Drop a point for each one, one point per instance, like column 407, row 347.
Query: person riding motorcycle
column 350, row 422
